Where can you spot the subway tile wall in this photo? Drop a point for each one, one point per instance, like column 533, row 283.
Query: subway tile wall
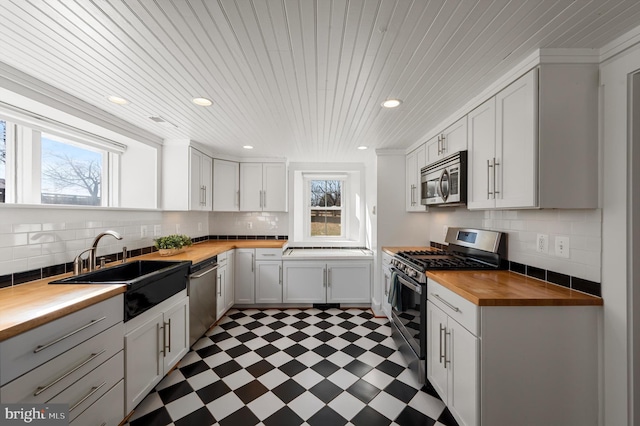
column 39, row 237
column 583, row 227
column 249, row 223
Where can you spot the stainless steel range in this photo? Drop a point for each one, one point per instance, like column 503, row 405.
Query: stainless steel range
column 473, row 249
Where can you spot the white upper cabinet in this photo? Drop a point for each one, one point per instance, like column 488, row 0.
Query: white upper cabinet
column 186, row 177
column 226, row 186
column 523, row 155
column 263, row 187
column 200, row 182
column 450, row 141
column 415, row 161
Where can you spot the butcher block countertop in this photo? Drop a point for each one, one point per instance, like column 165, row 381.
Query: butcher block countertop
column 27, row 306
column 504, row 288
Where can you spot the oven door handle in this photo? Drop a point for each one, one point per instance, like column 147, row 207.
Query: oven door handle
column 407, row 282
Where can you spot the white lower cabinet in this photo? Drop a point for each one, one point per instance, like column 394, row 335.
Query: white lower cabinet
column 346, row 281
column 513, row 365
column 452, row 365
column 105, row 411
column 225, row 289
column 154, row 342
column 244, row 276
column 229, row 287
column 269, row 281
column 76, row 360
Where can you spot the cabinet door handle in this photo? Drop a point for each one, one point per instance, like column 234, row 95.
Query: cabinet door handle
column 280, row 267
column 324, row 277
column 495, row 182
column 167, row 329
column 440, row 352
column 437, row 296
column 413, row 187
column 41, row 389
column 87, row 396
column 439, row 140
column 219, row 285
column 164, row 339
column 446, row 359
column 489, row 166
column 328, row 277
column 444, row 144
column 46, row 345
column 238, row 194
column 264, row 196
column 253, row 267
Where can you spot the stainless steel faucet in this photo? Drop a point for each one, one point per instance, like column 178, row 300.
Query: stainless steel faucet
column 94, row 247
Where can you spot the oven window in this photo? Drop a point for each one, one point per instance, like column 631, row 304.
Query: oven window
column 408, row 320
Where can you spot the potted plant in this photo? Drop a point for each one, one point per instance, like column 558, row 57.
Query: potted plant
column 172, row 244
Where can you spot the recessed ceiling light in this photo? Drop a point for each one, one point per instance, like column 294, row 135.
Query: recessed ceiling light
column 117, row 100
column 362, row 147
column 391, row 103
column 202, row 101
column 247, row 147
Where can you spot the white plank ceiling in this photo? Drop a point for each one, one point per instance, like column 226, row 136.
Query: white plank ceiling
column 301, row 79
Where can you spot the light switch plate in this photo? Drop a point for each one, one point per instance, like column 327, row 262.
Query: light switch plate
column 562, row 246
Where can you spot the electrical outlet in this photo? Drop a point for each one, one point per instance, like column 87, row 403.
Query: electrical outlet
column 143, row 231
column 542, row 243
column 177, row 228
column 157, row 230
column 562, row 246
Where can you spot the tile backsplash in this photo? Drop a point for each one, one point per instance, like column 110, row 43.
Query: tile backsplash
column 39, row 237
column 583, row 227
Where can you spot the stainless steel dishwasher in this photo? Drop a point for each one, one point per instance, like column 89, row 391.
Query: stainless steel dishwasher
column 202, row 289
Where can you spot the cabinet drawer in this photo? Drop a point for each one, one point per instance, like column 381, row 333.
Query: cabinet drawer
column 269, row 254
column 51, row 378
column 457, row 307
column 107, row 411
column 28, row 350
column 92, row 386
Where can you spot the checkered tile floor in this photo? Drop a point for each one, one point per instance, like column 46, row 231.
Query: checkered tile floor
column 293, row 367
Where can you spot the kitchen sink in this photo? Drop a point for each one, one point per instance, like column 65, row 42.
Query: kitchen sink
column 148, row 282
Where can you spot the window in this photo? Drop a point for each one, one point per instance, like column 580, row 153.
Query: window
column 71, row 173
column 326, row 216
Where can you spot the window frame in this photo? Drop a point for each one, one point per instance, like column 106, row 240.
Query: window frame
column 23, row 165
column 344, row 206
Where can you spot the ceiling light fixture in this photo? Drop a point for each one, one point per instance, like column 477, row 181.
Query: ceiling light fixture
column 391, row 103
column 202, row 102
column 247, row 147
column 362, row 147
column 117, row 100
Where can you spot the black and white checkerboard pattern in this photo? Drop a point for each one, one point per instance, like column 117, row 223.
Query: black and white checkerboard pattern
column 293, row 367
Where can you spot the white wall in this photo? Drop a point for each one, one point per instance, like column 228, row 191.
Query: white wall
column 41, row 236
column 619, row 360
column 248, row 223
column 583, row 227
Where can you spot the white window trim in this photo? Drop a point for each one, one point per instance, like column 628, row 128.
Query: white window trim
column 345, row 206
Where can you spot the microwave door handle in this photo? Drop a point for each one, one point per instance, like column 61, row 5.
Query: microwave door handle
column 445, row 174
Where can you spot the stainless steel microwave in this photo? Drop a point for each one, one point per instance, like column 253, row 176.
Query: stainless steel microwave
column 444, row 182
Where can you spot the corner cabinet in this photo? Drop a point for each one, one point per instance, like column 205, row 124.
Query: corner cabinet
column 268, row 275
column 226, row 186
column 415, row 161
column 450, row 141
column 263, row 187
column 319, row 281
column 497, row 365
column 522, row 156
column 186, row 178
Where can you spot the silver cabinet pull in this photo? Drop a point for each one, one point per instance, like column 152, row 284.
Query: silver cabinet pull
column 160, row 329
column 167, row 330
column 328, row 277
column 439, row 142
column 444, row 145
column 437, row 296
column 280, row 274
column 446, row 360
column 489, row 166
column 324, row 277
column 87, row 396
column 238, row 193
column 440, row 352
column 252, row 262
column 264, row 202
column 219, row 286
column 41, row 389
column 495, row 182
column 268, row 254
column 46, row 345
